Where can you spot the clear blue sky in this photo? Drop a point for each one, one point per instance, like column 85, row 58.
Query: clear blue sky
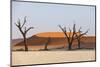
column 46, row 17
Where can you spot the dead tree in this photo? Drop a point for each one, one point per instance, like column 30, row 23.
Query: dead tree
column 79, row 36
column 70, row 36
column 23, row 32
column 46, row 44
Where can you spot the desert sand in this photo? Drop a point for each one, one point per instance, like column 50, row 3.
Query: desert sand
column 42, row 57
column 57, row 50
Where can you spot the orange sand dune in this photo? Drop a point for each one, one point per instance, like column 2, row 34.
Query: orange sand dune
column 57, row 40
column 53, row 34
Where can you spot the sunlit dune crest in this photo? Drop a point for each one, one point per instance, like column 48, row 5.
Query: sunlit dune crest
column 53, row 34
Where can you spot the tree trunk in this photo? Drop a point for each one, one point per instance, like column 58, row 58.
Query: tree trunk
column 69, row 47
column 45, row 48
column 25, row 43
column 69, row 44
column 79, row 46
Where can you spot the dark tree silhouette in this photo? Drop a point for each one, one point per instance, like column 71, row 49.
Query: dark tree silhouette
column 23, row 32
column 70, row 36
column 46, row 44
column 79, row 36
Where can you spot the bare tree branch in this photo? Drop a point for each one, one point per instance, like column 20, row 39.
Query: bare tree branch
column 74, row 28
column 80, row 30
column 84, row 33
column 70, row 32
column 19, row 24
column 16, row 25
column 61, row 28
column 24, row 22
column 29, row 29
column 64, row 31
column 73, row 33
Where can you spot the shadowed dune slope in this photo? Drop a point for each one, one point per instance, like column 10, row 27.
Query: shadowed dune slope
column 16, row 41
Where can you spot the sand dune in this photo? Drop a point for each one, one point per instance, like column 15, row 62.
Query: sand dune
column 57, row 40
column 53, row 34
column 16, row 41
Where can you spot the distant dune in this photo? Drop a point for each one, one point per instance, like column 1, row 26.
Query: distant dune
column 15, row 41
column 57, row 40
